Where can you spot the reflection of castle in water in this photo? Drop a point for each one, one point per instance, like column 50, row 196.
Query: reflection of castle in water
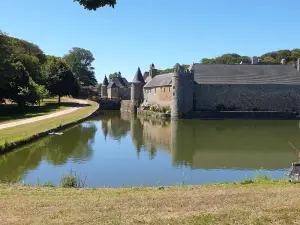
column 217, row 144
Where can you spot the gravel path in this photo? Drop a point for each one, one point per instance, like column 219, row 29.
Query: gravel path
column 39, row 118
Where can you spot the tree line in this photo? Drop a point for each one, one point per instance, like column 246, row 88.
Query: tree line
column 27, row 75
column 291, row 57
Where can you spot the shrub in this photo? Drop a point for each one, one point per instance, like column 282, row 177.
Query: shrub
column 69, row 181
column 48, row 184
column 72, row 181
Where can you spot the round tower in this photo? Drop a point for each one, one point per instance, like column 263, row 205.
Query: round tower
column 137, row 87
column 104, row 88
column 177, row 98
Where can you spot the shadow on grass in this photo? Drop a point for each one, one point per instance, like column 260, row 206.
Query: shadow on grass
column 12, row 111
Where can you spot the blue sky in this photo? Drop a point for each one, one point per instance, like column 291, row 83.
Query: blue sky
column 139, row 32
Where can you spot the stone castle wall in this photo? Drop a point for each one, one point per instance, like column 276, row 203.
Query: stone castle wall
column 247, row 97
column 113, row 92
column 126, row 106
column 158, row 95
column 182, row 93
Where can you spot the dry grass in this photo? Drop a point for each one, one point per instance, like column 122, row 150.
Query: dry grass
column 209, row 204
column 22, row 132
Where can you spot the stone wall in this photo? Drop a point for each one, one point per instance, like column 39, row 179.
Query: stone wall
column 137, row 92
column 243, row 115
column 107, row 104
column 126, row 106
column 182, row 92
column 124, row 93
column 158, row 95
column 248, row 97
column 113, row 92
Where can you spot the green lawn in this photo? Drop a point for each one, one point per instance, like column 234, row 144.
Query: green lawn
column 13, row 134
column 256, row 203
column 10, row 112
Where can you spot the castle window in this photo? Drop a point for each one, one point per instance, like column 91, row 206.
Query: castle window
column 150, row 90
column 164, row 90
column 174, row 87
column 154, row 90
column 169, row 89
column 173, row 93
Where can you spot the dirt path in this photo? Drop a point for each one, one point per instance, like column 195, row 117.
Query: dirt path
column 39, row 118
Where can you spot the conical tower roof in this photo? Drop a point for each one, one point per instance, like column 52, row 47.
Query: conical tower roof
column 105, row 81
column 138, row 76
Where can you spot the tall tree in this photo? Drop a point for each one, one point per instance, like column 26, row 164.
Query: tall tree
column 80, row 61
column 95, row 4
column 60, row 80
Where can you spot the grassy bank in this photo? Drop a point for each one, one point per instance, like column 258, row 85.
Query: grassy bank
column 11, row 112
column 18, row 133
column 256, row 202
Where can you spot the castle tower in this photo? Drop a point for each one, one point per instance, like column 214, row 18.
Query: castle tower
column 183, row 92
column 104, row 88
column 137, row 87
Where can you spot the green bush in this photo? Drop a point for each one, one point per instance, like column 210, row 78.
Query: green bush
column 72, row 181
column 69, row 181
column 48, row 184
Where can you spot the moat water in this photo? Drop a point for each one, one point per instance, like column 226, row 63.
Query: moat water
column 116, row 150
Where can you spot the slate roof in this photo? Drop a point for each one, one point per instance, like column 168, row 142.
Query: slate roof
column 160, row 80
column 125, row 81
column 246, row 74
column 112, row 85
column 138, row 76
column 119, row 82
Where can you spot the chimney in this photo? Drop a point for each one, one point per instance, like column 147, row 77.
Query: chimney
column 153, row 71
column 254, row 60
column 283, row 61
column 298, row 64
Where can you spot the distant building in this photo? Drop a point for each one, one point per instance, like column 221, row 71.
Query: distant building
column 117, row 87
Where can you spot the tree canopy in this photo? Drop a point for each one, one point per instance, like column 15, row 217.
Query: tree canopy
column 27, row 75
column 114, row 75
column 60, row 80
column 272, row 57
column 80, row 61
column 95, row 4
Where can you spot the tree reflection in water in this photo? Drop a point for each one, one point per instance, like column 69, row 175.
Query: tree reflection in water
column 74, row 144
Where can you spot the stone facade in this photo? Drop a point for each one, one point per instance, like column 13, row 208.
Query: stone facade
column 104, row 91
column 137, row 92
column 159, row 95
column 113, row 92
column 248, row 97
column 258, row 86
column 183, row 89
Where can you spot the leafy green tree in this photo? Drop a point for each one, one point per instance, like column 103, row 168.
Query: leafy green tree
column 41, row 93
column 60, row 81
column 114, row 75
column 95, row 4
column 80, row 61
column 19, row 86
column 231, row 58
column 33, row 66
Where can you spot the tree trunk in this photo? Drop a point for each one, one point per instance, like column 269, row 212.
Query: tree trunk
column 59, row 99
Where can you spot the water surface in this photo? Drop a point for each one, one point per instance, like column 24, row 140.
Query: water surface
column 121, row 150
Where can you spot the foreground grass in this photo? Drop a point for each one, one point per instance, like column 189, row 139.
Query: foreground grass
column 13, row 134
column 267, row 202
column 11, row 112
